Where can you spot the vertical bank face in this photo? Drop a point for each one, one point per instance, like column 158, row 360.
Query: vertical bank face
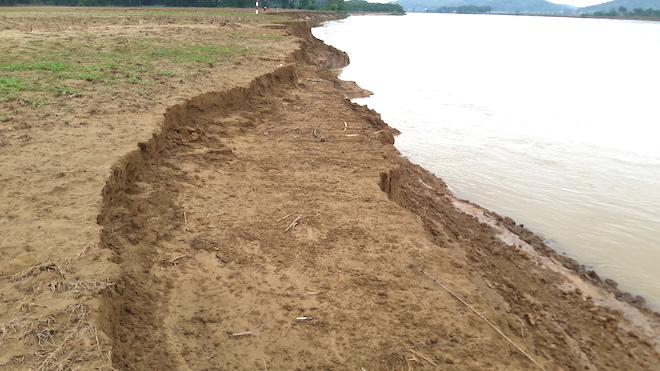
column 536, row 118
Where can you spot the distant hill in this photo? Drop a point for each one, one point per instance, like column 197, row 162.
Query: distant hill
column 502, row 6
column 628, row 4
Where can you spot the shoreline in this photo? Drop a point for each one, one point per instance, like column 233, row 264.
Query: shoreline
column 587, row 273
column 247, row 206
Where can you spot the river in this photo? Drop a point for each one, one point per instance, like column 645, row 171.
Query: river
column 551, row 121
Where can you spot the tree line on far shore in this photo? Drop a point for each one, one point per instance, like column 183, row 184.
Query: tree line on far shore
column 331, row 5
column 622, row 11
column 301, row 4
column 463, row 9
column 365, row 6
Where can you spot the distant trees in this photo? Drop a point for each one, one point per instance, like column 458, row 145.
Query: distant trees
column 299, row 4
column 463, row 9
column 623, row 12
column 364, row 6
column 332, row 5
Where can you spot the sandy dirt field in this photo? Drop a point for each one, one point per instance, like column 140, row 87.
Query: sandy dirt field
column 199, row 194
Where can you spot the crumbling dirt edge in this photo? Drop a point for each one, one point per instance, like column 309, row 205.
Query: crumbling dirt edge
column 128, row 168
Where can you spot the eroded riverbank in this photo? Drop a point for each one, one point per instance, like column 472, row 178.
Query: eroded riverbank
column 272, row 224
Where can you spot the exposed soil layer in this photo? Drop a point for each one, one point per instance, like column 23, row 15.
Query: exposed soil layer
column 269, row 223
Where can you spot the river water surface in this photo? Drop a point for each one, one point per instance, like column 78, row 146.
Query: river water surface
column 551, row 121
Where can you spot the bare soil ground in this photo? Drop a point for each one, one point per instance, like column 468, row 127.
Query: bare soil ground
column 241, row 213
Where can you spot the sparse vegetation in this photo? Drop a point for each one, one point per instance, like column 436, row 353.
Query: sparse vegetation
column 43, row 69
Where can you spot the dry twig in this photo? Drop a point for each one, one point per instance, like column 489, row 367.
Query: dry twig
column 423, row 357
column 293, row 223
column 239, row 334
column 299, row 218
column 480, row 316
column 27, row 307
column 77, row 312
column 284, row 217
column 35, row 270
column 75, row 286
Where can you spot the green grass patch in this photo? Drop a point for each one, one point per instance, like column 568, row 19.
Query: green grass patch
column 40, row 102
column 59, row 66
column 10, row 83
column 45, row 66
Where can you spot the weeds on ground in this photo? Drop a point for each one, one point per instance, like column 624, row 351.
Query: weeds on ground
column 42, row 69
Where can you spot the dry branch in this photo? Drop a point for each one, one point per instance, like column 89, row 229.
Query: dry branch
column 299, row 218
column 75, row 286
column 36, row 270
column 423, row 357
column 239, row 334
column 480, row 316
column 284, row 217
column 27, row 307
column 293, row 223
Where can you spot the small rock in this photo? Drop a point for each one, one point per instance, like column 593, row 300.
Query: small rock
column 530, row 320
column 611, row 282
